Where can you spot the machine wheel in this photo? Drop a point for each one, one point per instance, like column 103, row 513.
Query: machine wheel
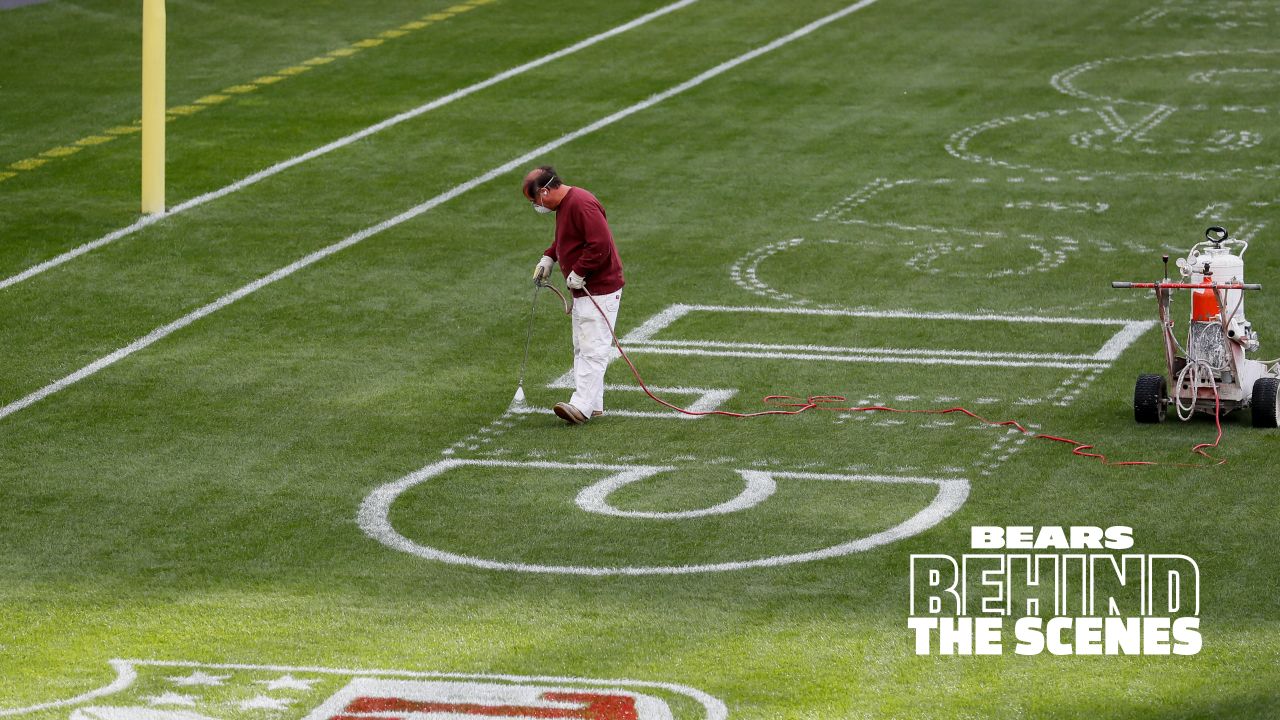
column 1150, row 399
column 1266, row 413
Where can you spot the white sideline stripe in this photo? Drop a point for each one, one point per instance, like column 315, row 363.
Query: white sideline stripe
column 1130, row 328
column 649, row 414
column 279, row 167
column 126, row 675
column 565, row 382
column 1122, row 340
column 924, row 360
column 641, row 339
column 656, row 324
column 909, row 314
column 708, row 398
column 713, row 400
column 540, row 464
column 415, row 211
column 856, row 477
column 837, row 349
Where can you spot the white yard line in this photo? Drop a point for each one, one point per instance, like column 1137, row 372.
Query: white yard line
column 858, row 350
column 642, row 340
column 908, row 314
column 864, row 358
column 148, row 220
column 166, row 330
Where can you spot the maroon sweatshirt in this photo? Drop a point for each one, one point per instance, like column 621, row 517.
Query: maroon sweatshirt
column 584, row 244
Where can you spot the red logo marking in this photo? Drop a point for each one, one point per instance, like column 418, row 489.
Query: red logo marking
column 595, row 707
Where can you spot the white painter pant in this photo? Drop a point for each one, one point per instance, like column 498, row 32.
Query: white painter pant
column 592, row 348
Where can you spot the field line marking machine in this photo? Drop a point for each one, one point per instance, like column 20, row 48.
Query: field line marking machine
column 1210, row 373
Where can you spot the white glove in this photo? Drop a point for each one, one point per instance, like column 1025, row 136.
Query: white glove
column 543, row 269
column 575, row 281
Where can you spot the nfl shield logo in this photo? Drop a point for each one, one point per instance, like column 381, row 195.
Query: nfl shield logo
column 376, row 699
column 158, row 690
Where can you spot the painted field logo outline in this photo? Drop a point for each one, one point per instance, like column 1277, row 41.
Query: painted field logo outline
column 758, row 484
column 324, row 693
column 1130, row 131
column 374, row 514
column 643, row 340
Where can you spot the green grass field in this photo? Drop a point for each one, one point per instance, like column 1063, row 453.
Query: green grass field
column 914, row 203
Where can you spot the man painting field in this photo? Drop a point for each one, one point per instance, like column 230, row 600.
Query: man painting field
column 592, row 271
column 257, row 455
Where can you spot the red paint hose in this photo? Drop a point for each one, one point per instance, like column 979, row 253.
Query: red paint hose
column 831, row 403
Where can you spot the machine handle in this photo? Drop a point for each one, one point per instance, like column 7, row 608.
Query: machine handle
column 1185, row 286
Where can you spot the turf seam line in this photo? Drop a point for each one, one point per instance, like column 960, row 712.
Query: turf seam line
column 238, row 185
column 413, row 212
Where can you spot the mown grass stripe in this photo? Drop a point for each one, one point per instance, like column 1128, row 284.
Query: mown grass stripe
column 28, row 163
column 147, row 220
column 95, row 139
column 293, row 70
column 63, row 151
column 413, row 212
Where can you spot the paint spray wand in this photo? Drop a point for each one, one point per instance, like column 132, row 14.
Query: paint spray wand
column 518, row 400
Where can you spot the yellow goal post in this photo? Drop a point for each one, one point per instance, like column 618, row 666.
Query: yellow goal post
column 153, row 106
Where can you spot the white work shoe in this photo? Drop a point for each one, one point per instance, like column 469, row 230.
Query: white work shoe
column 569, row 413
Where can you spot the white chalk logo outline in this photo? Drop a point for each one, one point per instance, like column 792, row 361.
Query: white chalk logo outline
column 642, row 339
column 1129, row 137
column 375, row 521
column 127, row 674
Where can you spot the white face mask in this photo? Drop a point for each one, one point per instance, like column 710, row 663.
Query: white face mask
column 542, row 210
